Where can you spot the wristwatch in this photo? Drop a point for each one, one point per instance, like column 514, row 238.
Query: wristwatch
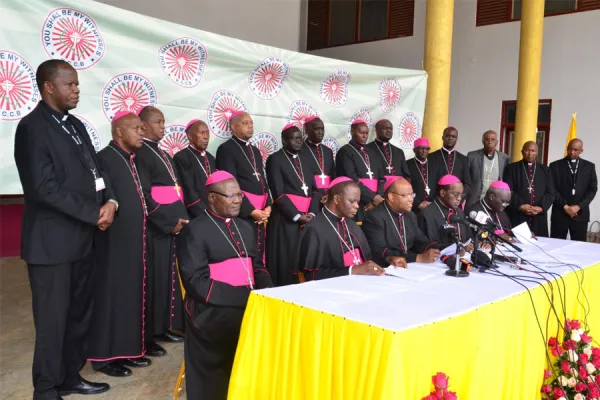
column 116, row 203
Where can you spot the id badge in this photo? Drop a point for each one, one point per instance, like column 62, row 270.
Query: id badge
column 100, row 184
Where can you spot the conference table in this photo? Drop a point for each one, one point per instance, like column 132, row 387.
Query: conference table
column 383, row 337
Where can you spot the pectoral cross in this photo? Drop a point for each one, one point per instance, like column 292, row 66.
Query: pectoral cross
column 257, row 174
column 427, row 190
column 177, row 189
column 305, row 189
column 389, row 168
column 573, row 191
column 250, row 283
column 370, row 174
column 322, row 176
column 356, row 260
column 530, row 188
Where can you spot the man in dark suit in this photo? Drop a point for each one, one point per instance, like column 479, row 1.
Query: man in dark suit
column 66, row 199
column 486, row 165
column 576, row 185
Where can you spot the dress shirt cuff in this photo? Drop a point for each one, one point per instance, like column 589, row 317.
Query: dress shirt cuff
column 116, row 203
column 297, row 217
column 350, row 270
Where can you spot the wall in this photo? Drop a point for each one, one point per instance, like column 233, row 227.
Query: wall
column 485, row 71
column 271, row 22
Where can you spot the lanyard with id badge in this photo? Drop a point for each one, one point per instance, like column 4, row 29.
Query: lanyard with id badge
column 99, row 181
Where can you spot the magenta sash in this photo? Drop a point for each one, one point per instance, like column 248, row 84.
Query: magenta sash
column 166, row 194
column 258, row 200
column 349, row 257
column 370, row 183
column 302, row 203
column 232, row 271
column 321, row 185
column 499, row 231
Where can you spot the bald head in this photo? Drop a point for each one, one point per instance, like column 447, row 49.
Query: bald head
column 242, row 126
column 384, row 130
column 399, row 196
column 574, row 149
column 489, row 139
column 199, row 135
column 530, row 152
column 127, row 132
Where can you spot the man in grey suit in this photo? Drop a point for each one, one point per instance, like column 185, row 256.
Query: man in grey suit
column 485, row 166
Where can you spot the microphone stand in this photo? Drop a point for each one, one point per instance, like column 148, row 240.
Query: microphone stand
column 457, row 272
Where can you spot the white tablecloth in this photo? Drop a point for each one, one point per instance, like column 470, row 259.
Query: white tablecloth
column 398, row 304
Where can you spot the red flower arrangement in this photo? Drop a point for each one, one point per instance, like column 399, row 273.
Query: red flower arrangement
column 577, row 366
column 440, row 391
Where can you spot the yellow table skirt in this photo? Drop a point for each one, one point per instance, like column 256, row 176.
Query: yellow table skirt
column 288, row 352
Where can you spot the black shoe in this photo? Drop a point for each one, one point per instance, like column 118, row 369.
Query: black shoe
column 136, row 362
column 115, row 369
column 84, row 387
column 170, row 337
column 153, row 349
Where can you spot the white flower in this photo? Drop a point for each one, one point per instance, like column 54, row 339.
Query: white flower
column 564, row 381
column 561, row 398
column 573, row 357
column 591, row 378
column 581, row 331
column 578, row 396
column 575, row 336
column 588, row 350
column 590, row 368
column 572, row 382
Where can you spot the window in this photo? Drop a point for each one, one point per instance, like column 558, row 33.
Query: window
column 507, row 130
column 497, row 11
column 341, row 22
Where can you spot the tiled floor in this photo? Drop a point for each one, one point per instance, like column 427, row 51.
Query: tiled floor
column 155, row 382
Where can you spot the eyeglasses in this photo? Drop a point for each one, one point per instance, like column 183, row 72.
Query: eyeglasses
column 457, row 195
column 422, row 148
column 409, row 195
column 505, row 204
column 230, row 196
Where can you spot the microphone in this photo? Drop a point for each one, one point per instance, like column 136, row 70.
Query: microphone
column 482, row 218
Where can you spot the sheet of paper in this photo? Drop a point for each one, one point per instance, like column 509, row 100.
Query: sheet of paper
column 523, row 235
column 412, row 274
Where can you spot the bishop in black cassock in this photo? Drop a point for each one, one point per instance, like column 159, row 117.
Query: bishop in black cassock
column 194, row 165
column 320, row 157
column 391, row 158
column 219, row 266
column 576, row 185
column 332, row 244
column 496, row 199
column 296, row 202
column 158, row 169
column 532, row 191
column 437, row 215
column 392, row 230
column 244, row 161
column 359, row 163
column 449, row 161
column 422, row 176
column 118, row 334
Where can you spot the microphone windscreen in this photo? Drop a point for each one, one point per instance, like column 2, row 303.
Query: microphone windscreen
column 473, row 214
column 454, row 218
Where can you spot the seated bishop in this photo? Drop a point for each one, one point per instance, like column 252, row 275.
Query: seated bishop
column 219, row 265
column 332, row 244
column 393, row 232
column 491, row 208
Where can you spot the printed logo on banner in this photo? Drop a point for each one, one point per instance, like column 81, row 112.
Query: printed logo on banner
column 332, row 144
column 183, row 60
column 363, row 113
column 128, row 92
column 73, row 36
column 267, row 79
column 409, row 129
column 175, row 139
column 19, row 93
column 92, row 133
column 299, row 111
column 389, row 94
column 266, row 143
column 221, row 106
column 334, row 89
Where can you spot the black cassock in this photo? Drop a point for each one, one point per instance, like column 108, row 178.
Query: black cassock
column 118, row 322
column 194, row 167
column 434, row 216
column 498, row 217
column 391, row 234
column 355, row 162
column 422, row 176
column 519, row 176
column 165, row 306
column 244, row 161
column 321, row 163
column 453, row 162
column 322, row 253
column 575, row 183
column 287, row 174
column 391, row 158
column 216, row 258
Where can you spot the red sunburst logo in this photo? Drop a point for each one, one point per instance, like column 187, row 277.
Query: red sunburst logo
column 182, row 62
column 16, row 88
column 73, row 40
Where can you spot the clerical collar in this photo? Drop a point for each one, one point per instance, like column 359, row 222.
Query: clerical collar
column 441, row 203
column 574, row 160
column 390, row 209
column 491, row 155
column 485, row 205
column 202, row 153
column 421, row 162
column 149, row 140
column 314, row 144
column 448, row 151
column 246, row 143
column 340, row 219
column 290, row 153
column 356, row 145
column 226, row 220
column 382, row 142
column 120, row 149
column 60, row 116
